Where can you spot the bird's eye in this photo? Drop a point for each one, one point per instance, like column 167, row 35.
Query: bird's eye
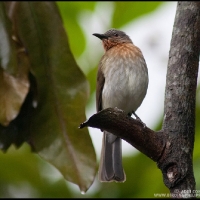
column 116, row 35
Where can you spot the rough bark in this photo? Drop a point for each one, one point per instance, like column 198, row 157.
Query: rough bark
column 179, row 119
column 172, row 147
column 129, row 129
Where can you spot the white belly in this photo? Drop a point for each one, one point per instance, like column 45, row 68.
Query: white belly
column 125, row 84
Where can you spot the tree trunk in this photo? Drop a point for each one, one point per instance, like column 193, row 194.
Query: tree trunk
column 171, row 147
column 179, row 112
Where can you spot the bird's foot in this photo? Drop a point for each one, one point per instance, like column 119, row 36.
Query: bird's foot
column 138, row 119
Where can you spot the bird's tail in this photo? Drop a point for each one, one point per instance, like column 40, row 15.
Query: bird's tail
column 110, row 167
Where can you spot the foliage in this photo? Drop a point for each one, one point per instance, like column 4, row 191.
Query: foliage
column 47, row 118
column 61, row 100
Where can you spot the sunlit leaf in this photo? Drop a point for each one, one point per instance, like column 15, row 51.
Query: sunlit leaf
column 14, row 65
column 126, row 11
column 32, row 179
column 62, row 93
column 70, row 12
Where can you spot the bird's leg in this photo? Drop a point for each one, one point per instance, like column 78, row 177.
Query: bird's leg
column 138, row 119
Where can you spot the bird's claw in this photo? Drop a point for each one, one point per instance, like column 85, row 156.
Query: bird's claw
column 138, row 119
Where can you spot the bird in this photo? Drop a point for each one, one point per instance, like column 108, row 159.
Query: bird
column 122, row 82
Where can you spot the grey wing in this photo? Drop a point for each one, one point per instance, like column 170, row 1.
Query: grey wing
column 99, row 89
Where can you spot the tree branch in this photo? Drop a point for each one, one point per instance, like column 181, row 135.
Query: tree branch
column 116, row 121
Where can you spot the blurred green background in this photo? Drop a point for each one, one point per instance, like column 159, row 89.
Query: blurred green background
column 25, row 174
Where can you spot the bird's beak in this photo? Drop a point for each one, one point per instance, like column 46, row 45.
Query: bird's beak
column 100, row 36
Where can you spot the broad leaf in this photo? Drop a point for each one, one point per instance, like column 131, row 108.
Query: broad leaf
column 62, row 93
column 14, row 66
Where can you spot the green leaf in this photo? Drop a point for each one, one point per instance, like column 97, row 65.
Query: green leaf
column 33, row 179
column 70, row 12
column 14, row 65
column 127, row 11
column 62, row 93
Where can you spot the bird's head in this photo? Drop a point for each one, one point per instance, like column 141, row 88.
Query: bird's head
column 112, row 38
